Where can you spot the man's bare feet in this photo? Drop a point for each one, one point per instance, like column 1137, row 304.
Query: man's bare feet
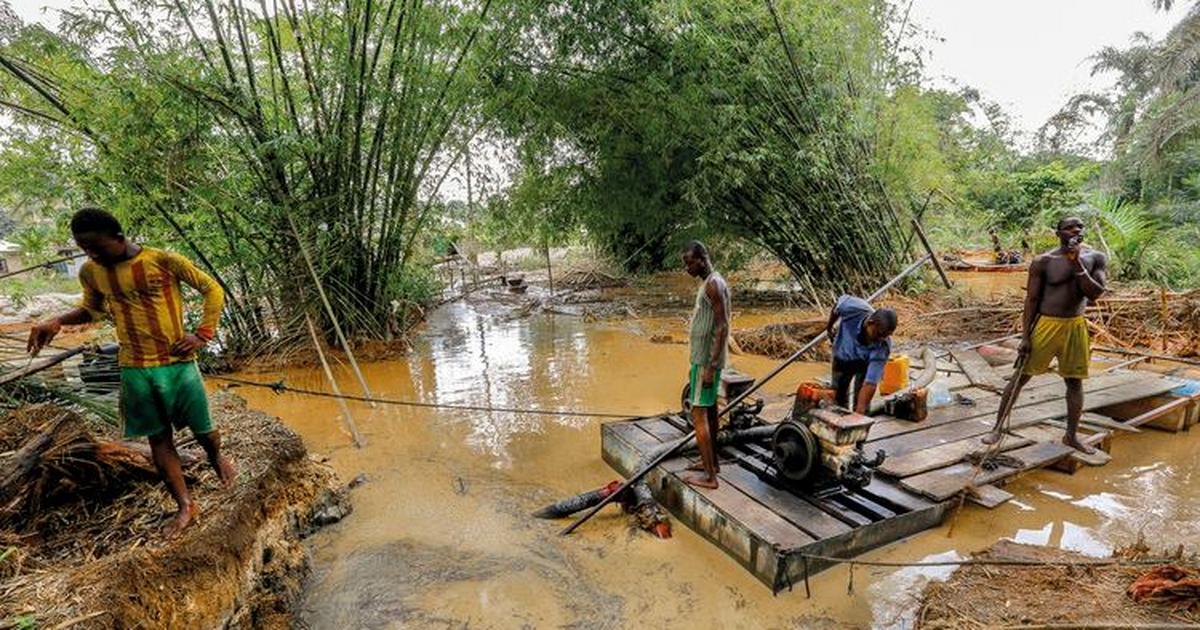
column 179, row 522
column 1077, row 445
column 226, row 472
column 699, row 467
column 701, row 481
column 992, row 437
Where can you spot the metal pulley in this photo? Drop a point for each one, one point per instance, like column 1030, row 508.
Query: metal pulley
column 795, row 450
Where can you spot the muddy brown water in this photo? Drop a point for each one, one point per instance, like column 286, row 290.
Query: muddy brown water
column 440, row 535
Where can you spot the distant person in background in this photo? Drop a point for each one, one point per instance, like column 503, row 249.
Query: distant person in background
column 161, row 389
column 709, row 341
column 861, row 347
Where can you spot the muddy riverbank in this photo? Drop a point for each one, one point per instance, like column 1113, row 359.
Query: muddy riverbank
column 84, row 547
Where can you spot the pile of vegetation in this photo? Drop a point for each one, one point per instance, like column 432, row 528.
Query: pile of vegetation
column 981, row 596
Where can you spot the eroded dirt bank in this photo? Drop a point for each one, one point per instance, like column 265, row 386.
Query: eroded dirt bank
column 98, row 560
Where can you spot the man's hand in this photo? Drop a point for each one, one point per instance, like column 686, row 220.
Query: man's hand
column 1025, row 348
column 41, row 334
column 707, row 376
column 187, row 345
column 1074, row 247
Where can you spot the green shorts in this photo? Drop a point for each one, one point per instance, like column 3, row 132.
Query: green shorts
column 703, row 396
column 155, row 398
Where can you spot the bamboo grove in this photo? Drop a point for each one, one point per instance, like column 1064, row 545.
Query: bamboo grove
column 294, row 146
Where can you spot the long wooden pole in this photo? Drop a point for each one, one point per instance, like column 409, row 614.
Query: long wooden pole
column 937, row 264
column 637, row 476
column 349, row 419
column 34, row 368
column 46, row 265
column 1147, row 355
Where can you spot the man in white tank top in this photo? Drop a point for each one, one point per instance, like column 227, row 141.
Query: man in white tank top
column 709, row 339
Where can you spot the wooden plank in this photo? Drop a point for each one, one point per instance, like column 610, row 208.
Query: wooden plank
column 1098, row 458
column 748, row 532
column 661, row 429
column 955, row 381
column 987, row 404
column 979, row 371
column 861, row 540
column 1095, row 421
column 886, row 491
column 988, row 496
column 1021, row 416
column 796, row 510
column 945, row 483
column 1157, row 412
column 943, row 455
column 1172, row 419
column 863, row 505
column 33, row 368
column 636, row 441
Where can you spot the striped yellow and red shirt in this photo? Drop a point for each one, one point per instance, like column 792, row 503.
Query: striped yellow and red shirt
column 143, row 297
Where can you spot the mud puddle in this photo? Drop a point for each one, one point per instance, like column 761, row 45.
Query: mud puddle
column 440, row 535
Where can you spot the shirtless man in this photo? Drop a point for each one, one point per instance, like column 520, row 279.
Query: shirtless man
column 1061, row 282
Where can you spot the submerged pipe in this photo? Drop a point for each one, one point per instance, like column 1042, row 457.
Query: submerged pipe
column 581, row 501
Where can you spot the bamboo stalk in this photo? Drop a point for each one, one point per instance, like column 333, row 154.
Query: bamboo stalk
column 349, row 419
column 337, row 327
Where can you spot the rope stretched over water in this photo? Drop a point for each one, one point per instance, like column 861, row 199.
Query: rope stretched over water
column 279, row 387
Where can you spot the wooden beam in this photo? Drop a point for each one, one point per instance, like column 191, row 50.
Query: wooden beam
column 1159, row 411
column 937, row 264
column 1148, row 355
column 988, row 496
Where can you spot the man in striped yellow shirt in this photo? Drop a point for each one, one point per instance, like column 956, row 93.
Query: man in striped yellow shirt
column 161, row 389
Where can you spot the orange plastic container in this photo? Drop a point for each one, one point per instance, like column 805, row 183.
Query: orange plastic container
column 895, row 374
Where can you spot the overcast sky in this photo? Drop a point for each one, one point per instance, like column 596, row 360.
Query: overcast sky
column 1028, row 55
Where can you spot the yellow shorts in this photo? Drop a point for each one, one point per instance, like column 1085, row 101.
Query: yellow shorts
column 1064, row 338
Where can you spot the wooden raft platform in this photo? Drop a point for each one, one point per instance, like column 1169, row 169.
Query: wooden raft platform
column 768, row 525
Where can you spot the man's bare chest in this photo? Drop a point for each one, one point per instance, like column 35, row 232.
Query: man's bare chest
column 1059, row 270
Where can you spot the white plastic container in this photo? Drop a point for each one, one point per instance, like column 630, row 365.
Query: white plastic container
column 939, row 394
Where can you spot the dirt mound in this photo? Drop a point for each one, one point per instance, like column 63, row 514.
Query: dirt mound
column 590, row 279
column 780, row 341
column 980, row 596
column 91, row 553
